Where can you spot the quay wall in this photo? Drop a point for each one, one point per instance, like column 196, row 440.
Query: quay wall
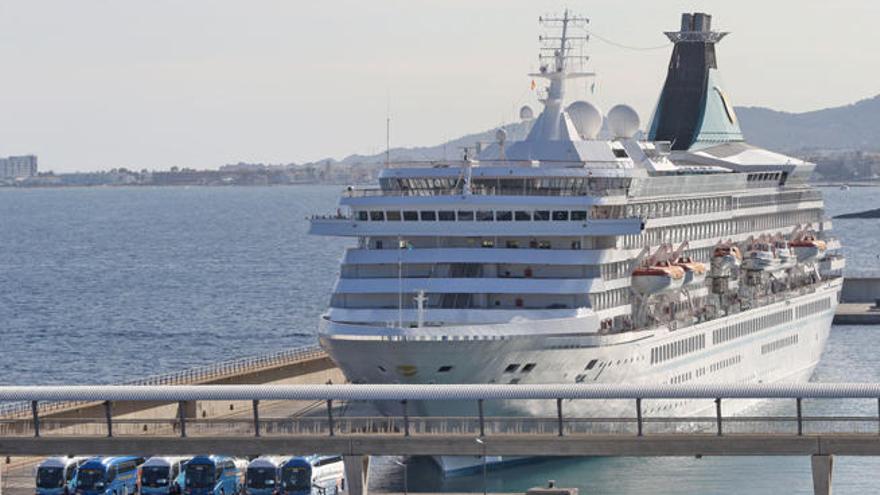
column 860, row 290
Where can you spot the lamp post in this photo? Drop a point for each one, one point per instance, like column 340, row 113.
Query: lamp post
column 481, row 442
column 405, row 483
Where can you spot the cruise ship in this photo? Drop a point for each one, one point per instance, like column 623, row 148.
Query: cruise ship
column 592, row 251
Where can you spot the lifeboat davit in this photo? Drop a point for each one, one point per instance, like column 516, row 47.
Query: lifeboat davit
column 808, row 248
column 725, row 259
column 657, row 278
column 761, row 257
column 694, row 271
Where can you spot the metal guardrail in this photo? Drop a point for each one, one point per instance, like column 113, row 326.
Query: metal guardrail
column 637, row 423
column 189, row 376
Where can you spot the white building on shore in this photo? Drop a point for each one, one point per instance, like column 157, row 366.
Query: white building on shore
column 18, row 167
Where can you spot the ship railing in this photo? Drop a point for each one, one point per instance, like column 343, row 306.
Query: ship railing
column 200, row 374
column 483, row 191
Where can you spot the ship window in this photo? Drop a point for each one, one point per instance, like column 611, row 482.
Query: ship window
column 560, row 215
column 392, row 216
column 377, row 215
column 511, row 368
column 592, row 364
column 485, row 216
column 543, row 244
column 487, row 243
column 503, row 216
column 579, row 215
column 512, row 244
column 362, row 216
column 444, row 369
column 411, row 216
column 542, row 215
column 522, row 216
column 527, row 368
column 428, row 215
column 446, row 216
column 465, row 215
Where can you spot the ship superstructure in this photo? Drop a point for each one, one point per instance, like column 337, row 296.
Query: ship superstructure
column 686, row 257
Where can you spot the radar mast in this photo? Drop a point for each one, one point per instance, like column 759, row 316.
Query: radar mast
column 561, row 51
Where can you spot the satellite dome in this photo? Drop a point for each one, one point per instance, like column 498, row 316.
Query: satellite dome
column 501, row 135
column 526, row 113
column 623, row 121
column 586, row 117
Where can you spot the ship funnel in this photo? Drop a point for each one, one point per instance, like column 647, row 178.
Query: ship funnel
column 693, row 110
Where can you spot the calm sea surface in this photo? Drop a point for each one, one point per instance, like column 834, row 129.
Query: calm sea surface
column 103, row 285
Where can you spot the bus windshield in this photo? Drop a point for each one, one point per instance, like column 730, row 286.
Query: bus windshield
column 260, row 478
column 154, row 476
column 199, row 476
column 89, row 479
column 296, row 478
column 50, row 477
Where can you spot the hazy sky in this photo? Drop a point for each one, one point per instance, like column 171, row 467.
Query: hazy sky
column 95, row 84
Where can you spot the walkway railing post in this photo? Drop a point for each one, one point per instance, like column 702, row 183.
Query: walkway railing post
column 718, row 414
column 181, row 412
column 405, row 419
column 330, row 416
column 108, row 413
column 800, row 417
column 559, row 415
column 482, row 422
column 256, row 418
column 639, row 415
column 36, row 412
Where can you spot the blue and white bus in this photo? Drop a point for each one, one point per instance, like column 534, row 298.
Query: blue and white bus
column 262, row 475
column 108, row 476
column 162, row 475
column 312, row 475
column 57, row 475
column 213, row 475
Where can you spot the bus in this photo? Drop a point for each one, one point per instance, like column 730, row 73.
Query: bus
column 312, row 475
column 262, row 475
column 108, row 476
column 57, row 475
column 162, row 475
column 213, row 475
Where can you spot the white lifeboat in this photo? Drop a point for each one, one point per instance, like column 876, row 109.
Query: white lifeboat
column 657, row 278
column 761, row 258
column 725, row 259
column 808, row 248
column 694, row 271
column 787, row 258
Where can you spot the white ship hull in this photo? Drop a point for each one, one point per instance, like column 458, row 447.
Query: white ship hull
column 787, row 351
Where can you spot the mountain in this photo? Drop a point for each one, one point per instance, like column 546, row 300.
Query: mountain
column 449, row 150
column 854, row 127
column 848, row 127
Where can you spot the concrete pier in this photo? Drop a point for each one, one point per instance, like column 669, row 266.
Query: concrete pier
column 857, row 314
column 357, row 474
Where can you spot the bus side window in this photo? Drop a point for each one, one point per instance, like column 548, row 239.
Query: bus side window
column 111, row 474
